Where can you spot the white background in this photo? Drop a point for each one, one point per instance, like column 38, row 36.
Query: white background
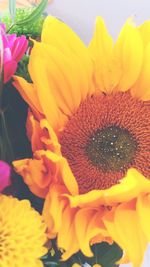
column 80, row 15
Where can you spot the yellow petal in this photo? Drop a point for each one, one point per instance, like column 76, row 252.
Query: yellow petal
column 144, row 30
column 82, row 220
column 68, row 177
column 34, row 132
column 64, row 174
column 124, row 227
column 66, row 236
column 58, row 34
column 45, row 168
column 88, row 224
column 34, row 174
column 41, row 135
column 101, row 48
column 141, row 88
column 128, row 52
column 51, row 141
column 28, row 92
column 53, row 209
column 42, row 82
column 143, row 209
column 128, row 188
column 61, row 84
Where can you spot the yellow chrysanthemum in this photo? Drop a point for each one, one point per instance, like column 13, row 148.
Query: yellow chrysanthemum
column 89, row 126
column 22, row 234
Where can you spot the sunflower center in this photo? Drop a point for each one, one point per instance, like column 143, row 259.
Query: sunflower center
column 107, row 135
column 111, row 148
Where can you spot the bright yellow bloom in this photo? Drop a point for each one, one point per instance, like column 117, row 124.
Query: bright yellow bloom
column 89, row 126
column 22, row 234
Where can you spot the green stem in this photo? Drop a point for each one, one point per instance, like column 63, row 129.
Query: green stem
column 11, row 26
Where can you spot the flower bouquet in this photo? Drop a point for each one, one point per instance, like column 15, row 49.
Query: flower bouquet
column 74, row 143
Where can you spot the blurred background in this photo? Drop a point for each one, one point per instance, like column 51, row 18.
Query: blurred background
column 80, row 16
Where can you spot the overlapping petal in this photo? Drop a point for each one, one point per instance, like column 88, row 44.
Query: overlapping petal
column 128, row 52
column 143, row 209
column 73, row 86
column 68, row 243
column 28, row 92
column 89, row 225
column 101, row 50
column 141, row 88
column 124, row 227
column 53, row 209
column 116, row 64
column 129, row 187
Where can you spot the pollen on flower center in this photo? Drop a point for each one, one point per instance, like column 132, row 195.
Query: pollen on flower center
column 111, row 148
column 107, row 135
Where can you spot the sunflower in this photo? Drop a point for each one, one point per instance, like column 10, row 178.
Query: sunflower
column 89, row 126
column 22, row 234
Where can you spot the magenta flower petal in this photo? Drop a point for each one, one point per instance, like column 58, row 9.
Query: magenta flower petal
column 7, row 55
column 4, row 175
column 9, row 69
column 2, row 25
column 14, row 48
column 11, row 39
column 19, row 47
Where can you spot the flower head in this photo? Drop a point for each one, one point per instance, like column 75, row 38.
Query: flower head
column 13, row 48
column 89, row 130
column 22, row 235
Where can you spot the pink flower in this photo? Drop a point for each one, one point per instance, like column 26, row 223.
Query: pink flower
column 13, row 49
column 4, row 175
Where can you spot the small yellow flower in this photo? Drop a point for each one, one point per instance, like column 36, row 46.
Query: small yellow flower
column 22, row 234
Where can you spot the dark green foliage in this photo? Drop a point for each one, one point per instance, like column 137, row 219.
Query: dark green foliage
column 104, row 254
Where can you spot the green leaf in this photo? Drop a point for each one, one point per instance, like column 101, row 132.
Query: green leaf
column 104, row 254
column 107, row 255
column 34, row 15
column 12, row 9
